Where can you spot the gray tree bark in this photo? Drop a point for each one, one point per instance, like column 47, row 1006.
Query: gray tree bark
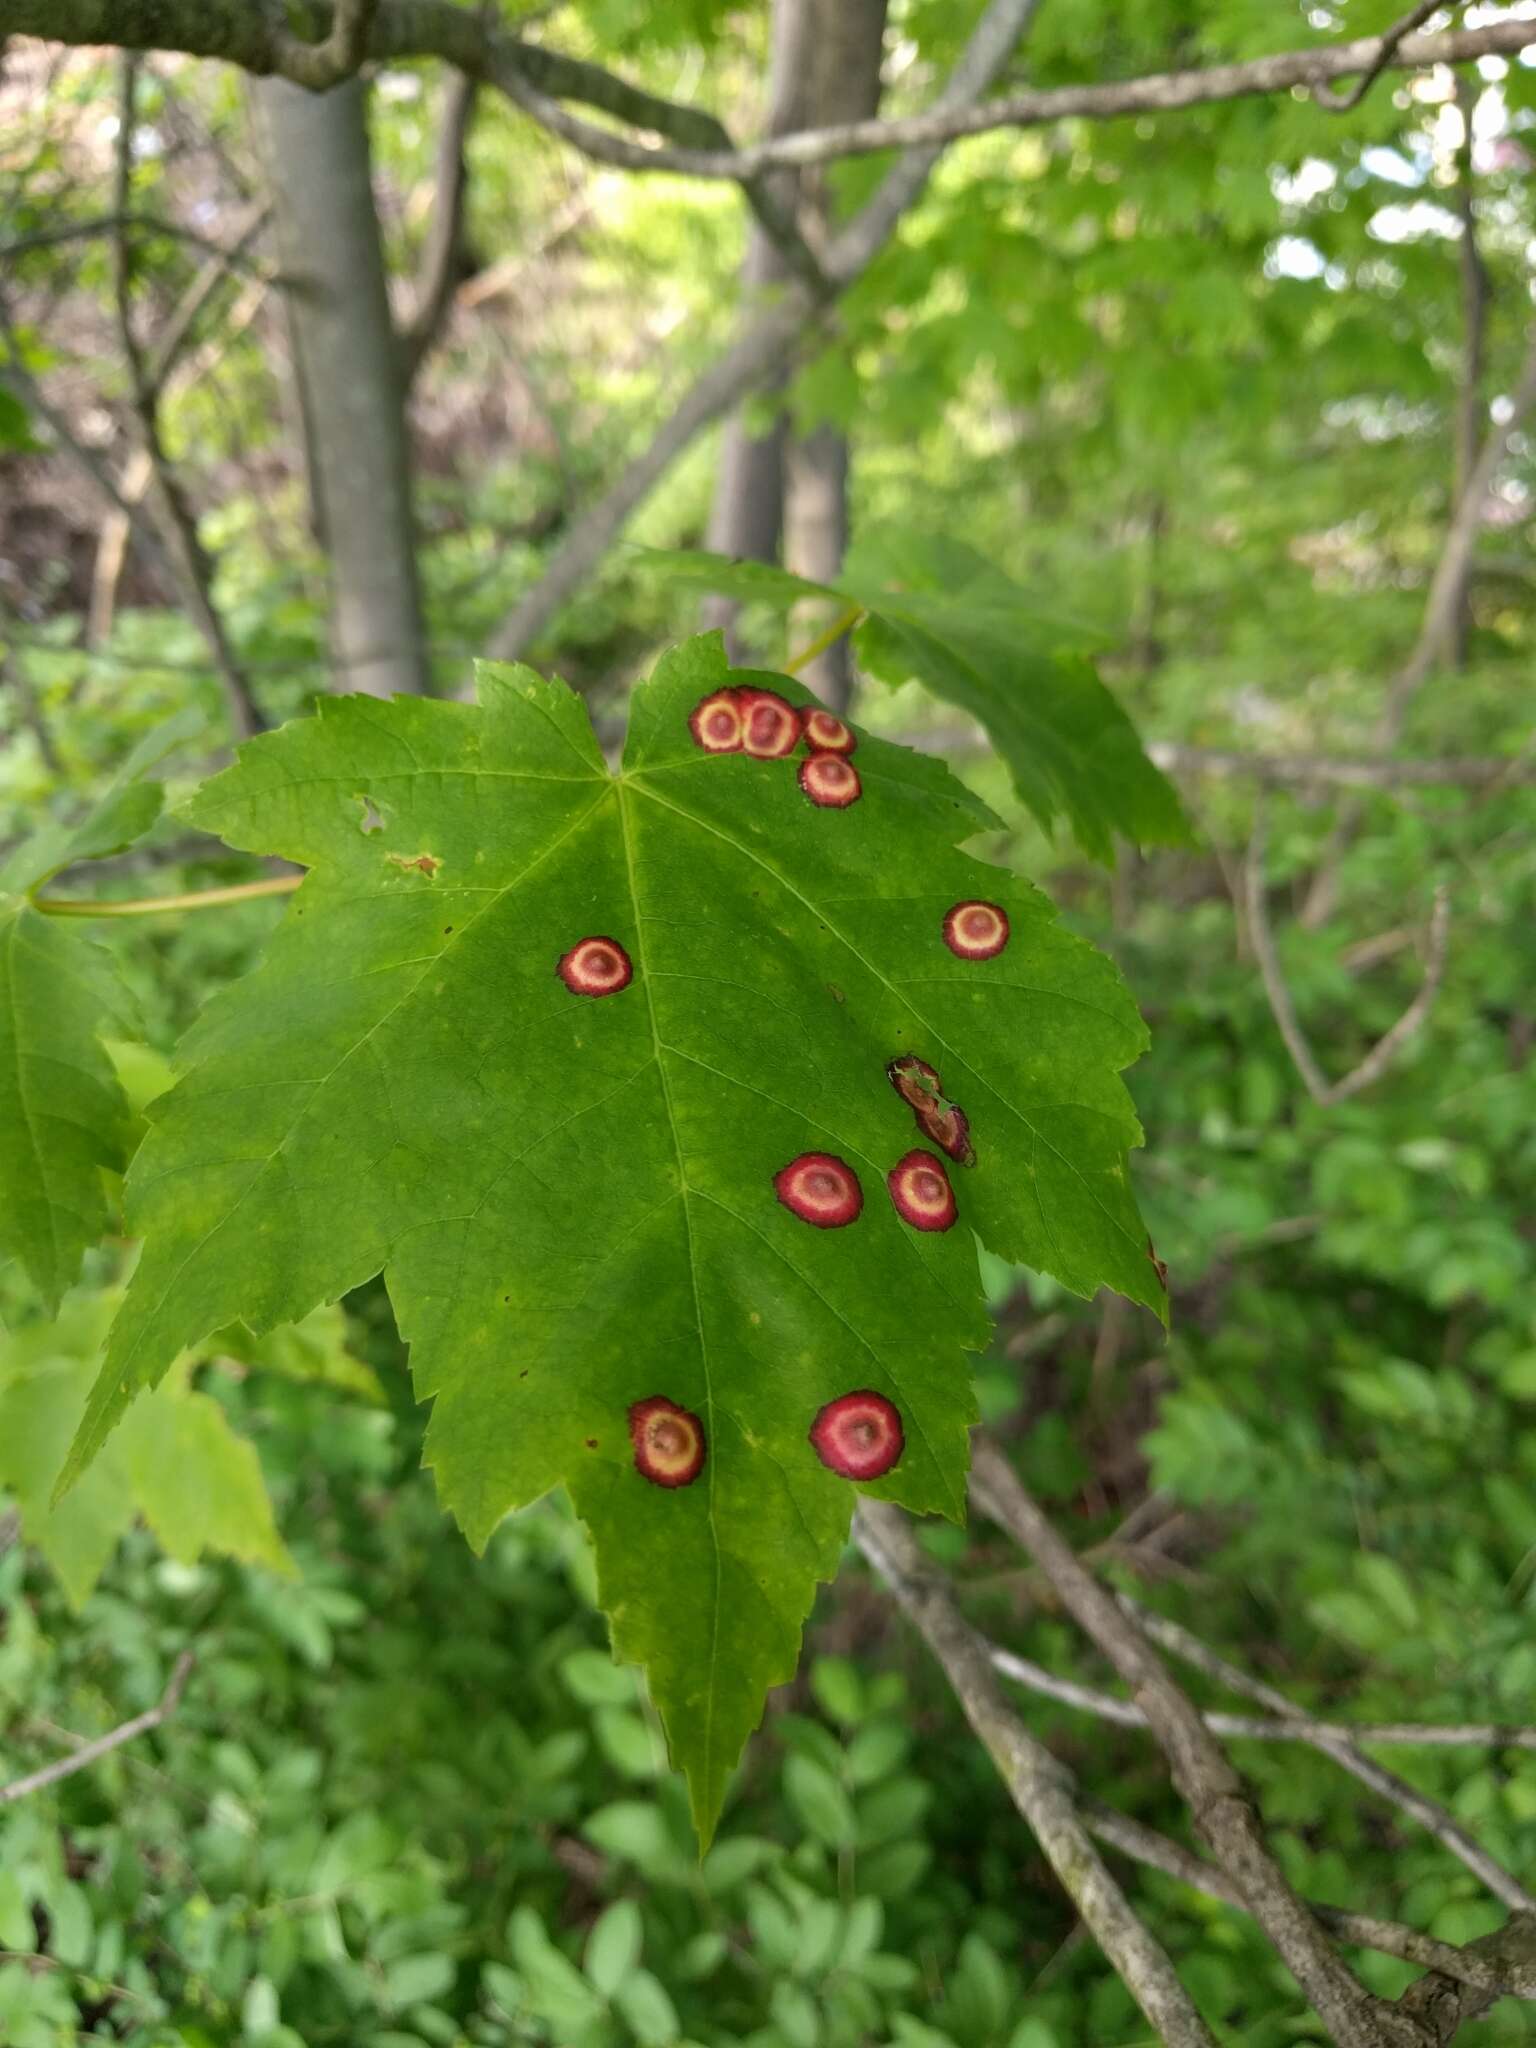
column 748, row 511
column 348, row 364
column 772, row 488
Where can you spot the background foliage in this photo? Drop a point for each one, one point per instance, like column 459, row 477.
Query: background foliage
column 1191, row 383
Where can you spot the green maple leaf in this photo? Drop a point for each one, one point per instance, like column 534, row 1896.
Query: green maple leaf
column 573, row 1198
column 938, row 612
column 175, row 1462
column 63, row 1114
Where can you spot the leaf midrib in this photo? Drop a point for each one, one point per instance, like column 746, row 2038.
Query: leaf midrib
column 659, row 1048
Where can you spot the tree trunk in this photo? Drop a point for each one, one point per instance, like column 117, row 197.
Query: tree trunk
column 842, row 83
column 770, row 487
column 348, row 364
column 748, row 511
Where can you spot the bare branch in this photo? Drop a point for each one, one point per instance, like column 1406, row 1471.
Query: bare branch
column 1366, row 771
column 1341, row 1748
column 1295, row 1726
column 757, row 353
column 1381, row 1055
column 91, row 1752
column 1344, row 103
column 164, row 363
column 1514, row 1977
column 322, row 65
column 1215, row 1795
column 436, row 279
column 1476, row 297
column 1442, row 607
column 1441, row 2005
column 121, row 223
column 1450, row 575
column 183, row 547
column 247, row 35
column 1039, row 1786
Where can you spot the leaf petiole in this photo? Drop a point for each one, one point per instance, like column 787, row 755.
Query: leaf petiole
column 843, row 623
column 146, row 906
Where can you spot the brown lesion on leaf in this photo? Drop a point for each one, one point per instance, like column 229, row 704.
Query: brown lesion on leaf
column 419, row 863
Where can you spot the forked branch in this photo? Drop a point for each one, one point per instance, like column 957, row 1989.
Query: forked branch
column 92, row 1752
column 1367, row 1071
column 1038, row 1785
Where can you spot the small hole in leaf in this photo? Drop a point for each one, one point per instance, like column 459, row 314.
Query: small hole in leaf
column 373, row 817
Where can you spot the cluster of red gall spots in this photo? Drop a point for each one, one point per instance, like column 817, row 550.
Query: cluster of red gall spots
column 858, row 1436
column 946, row 1123
column 595, row 967
column 769, row 728
column 824, row 1190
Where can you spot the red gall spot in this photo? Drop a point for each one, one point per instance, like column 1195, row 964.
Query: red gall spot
column 858, row 1436
column 830, row 781
column 976, row 931
column 914, row 1081
column 825, row 734
column 821, row 1189
column 716, row 722
column 595, row 967
column 950, row 1129
column 591, row 1443
column 668, row 1441
column 921, row 1191
column 770, row 727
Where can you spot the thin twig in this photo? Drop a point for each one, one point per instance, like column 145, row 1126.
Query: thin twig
column 123, row 222
column 1293, row 1727
column 1039, row 1786
column 103, row 1745
column 1360, row 1930
column 1320, row 771
column 1215, row 1795
column 1340, row 1746
column 1375, row 1063
column 178, row 520
column 1442, row 605
column 1343, row 103
column 252, row 37
column 437, row 278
